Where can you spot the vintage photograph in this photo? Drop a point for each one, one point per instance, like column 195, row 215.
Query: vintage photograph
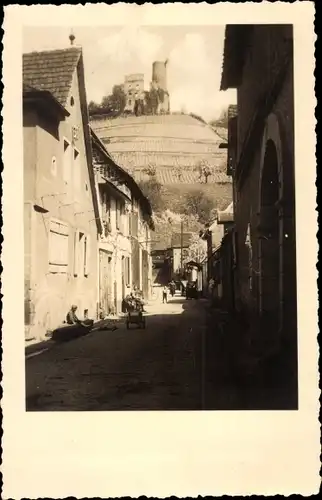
column 159, row 218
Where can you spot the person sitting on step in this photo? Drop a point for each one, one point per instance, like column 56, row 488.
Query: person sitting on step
column 72, row 319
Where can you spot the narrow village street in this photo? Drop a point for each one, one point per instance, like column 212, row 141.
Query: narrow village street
column 157, row 368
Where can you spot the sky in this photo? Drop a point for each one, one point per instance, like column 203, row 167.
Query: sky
column 195, row 57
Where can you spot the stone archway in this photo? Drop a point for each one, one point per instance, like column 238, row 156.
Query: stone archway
column 269, row 231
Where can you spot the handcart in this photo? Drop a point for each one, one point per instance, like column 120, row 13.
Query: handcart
column 134, row 309
column 135, row 317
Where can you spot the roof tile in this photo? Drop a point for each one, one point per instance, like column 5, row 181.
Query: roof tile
column 51, row 70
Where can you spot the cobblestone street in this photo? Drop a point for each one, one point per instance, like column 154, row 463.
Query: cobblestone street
column 159, row 368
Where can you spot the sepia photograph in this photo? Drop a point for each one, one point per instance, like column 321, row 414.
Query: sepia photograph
column 159, row 218
column 159, row 257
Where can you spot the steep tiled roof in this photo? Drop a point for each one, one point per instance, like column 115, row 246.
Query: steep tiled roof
column 51, row 70
column 28, row 89
column 237, row 37
column 100, row 150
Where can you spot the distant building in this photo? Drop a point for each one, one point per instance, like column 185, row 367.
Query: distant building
column 134, row 90
column 178, row 252
column 60, row 207
column 155, row 101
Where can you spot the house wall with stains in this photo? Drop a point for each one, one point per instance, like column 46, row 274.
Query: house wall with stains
column 58, row 235
column 116, row 243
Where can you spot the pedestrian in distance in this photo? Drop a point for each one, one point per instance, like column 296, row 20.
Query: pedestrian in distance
column 172, row 287
column 165, row 295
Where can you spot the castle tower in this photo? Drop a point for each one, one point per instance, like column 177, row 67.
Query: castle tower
column 159, row 82
column 159, row 74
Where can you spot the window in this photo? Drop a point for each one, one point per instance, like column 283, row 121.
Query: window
column 76, row 170
column 130, row 102
column 134, row 224
column 127, row 270
column 117, row 212
column 81, row 254
column 67, row 161
column 58, row 247
column 106, row 207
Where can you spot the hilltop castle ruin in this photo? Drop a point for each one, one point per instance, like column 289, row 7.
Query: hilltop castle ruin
column 155, row 101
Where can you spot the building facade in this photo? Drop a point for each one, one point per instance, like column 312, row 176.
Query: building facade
column 60, row 206
column 134, row 90
column 124, row 246
column 177, row 255
column 258, row 62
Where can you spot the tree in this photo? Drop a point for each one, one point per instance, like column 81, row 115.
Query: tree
column 150, row 170
column 153, row 101
column 197, row 250
column 93, row 108
column 116, row 101
column 199, row 205
column 204, row 170
column 222, row 121
column 111, row 105
column 139, row 107
column 152, row 189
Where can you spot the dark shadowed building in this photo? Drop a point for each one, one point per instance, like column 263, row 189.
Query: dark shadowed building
column 258, row 62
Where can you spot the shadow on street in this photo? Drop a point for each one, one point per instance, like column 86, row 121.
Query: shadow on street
column 182, row 360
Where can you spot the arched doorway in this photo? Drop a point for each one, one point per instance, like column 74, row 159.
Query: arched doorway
column 269, row 240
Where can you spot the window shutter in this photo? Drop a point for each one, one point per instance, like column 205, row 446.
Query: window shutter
column 76, row 253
